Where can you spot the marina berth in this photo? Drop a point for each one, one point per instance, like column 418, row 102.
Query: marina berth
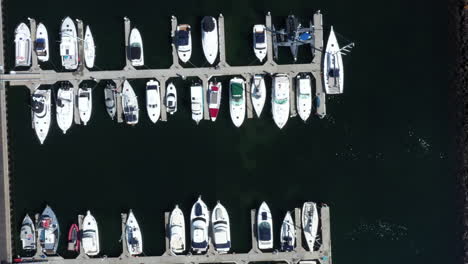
column 110, row 98
column 28, row 234
column 129, row 104
column 171, row 99
column 90, row 235
column 303, row 96
column 196, row 93
column 183, row 42
column 23, row 45
column 333, row 74
column 65, row 106
column 89, row 48
column 199, row 222
column 85, row 104
column 133, row 235
column 214, row 99
column 221, row 228
column 258, row 93
column 264, row 227
column 280, row 99
column 310, row 223
column 41, row 46
column 237, row 101
column 136, row 48
column 69, row 44
column 260, row 42
column 41, row 113
column 210, row 38
column 288, row 233
column 177, row 231
column 153, row 100
column 48, row 231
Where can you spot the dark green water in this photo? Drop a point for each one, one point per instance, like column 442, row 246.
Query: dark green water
column 382, row 158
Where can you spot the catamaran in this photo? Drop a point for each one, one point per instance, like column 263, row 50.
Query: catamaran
column 171, row 99
column 64, row 107
column 237, row 100
column 133, row 235
column 196, row 92
column 130, row 104
column 42, row 43
column 214, row 99
column 177, row 231
column 183, row 42
column 85, row 104
column 303, row 96
column 258, row 94
column 89, row 48
column 264, row 227
column 40, row 111
column 69, row 45
column 136, row 48
column 260, row 41
column 333, row 74
column 90, row 235
column 74, row 238
column 28, row 234
column 280, row 99
column 110, row 100
column 153, row 100
column 288, row 233
column 48, row 231
column 310, row 223
column 221, row 229
column 210, row 38
column 199, row 220
column 23, row 45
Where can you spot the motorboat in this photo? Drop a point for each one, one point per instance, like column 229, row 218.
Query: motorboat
column 130, row 104
column 153, row 100
column 171, row 99
column 48, row 231
column 177, row 231
column 74, row 238
column 69, row 45
column 333, row 73
column 183, row 42
column 28, row 234
column 210, row 38
column 136, row 48
column 23, row 45
column 237, row 100
column 199, row 222
column 133, row 235
column 110, row 99
column 214, row 99
column 280, row 99
column 85, row 104
column 90, row 235
column 264, row 227
column 303, row 96
column 258, row 93
column 41, row 46
column 196, row 92
column 89, row 48
column 221, row 229
column 260, row 41
column 310, row 222
column 288, row 233
column 65, row 106
column 40, row 110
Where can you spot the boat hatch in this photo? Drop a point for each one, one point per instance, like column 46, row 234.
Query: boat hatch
column 264, row 216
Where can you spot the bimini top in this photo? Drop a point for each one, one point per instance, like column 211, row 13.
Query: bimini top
column 265, row 233
column 237, row 90
column 208, row 24
column 182, row 38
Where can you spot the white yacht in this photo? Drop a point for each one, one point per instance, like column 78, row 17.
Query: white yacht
column 90, row 235
column 64, row 107
column 171, row 99
column 42, row 43
column 210, row 38
column 214, row 99
column 199, row 222
column 89, row 48
column 333, row 74
column 280, row 99
column 310, row 222
column 110, row 99
column 258, row 93
column 40, row 105
column 23, row 45
column 196, row 93
column 177, row 231
column 130, row 104
column 85, row 104
column 69, row 45
column 183, row 42
column 48, row 231
column 303, row 96
column 153, row 100
column 288, row 233
column 136, row 48
column 237, row 100
column 28, row 234
column 264, row 227
column 221, row 229
column 133, row 235
column 260, row 41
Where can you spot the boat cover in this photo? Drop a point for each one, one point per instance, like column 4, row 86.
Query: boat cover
column 135, row 51
column 198, row 210
column 237, row 90
column 182, row 38
column 259, row 37
column 208, row 24
column 264, row 231
column 40, row 43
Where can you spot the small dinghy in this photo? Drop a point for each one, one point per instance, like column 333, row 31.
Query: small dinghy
column 310, row 223
column 73, row 238
column 280, row 99
column 303, row 96
column 177, row 231
column 90, row 235
column 65, row 107
column 136, row 48
column 210, row 38
column 133, row 235
column 214, row 99
column 23, row 45
column 237, row 101
column 196, row 92
column 85, row 104
column 258, row 92
column 260, row 41
column 110, row 99
column 42, row 43
column 264, row 227
column 153, row 100
column 89, row 48
column 28, row 234
column 221, row 229
column 199, row 222
column 130, row 104
column 183, row 42
column 171, row 99
column 333, row 74
column 69, row 45
column 288, row 233
column 48, row 231
column 40, row 110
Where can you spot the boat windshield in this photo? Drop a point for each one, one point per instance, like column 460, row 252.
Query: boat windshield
column 264, row 231
column 281, row 101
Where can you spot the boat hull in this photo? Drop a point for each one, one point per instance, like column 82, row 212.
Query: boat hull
column 130, row 104
column 110, row 100
column 64, row 108
column 73, row 238
column 23, row 45
column 28, row 234
column 237, row 103
column 196, row 92
column 171, row 99
column 280, row 100
column 210, row 39
column 133, row 235
column 288, row 233
column 260, row 42
column 214, row 98
column 41, row 117
column 69, row 45
column 304, row 96
column 42, row 43
column 89, row 48
column 310, row 223
column 177, row 231
column 184, row 42
column 153, row 100
column 136, row 55
column 333, row 73
column 85, row 104
column 199, row 220
column 264, row 227
column 90, row 235
column 48, row 231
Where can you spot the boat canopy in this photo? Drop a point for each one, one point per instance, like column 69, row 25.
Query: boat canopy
column 182, row 38
column 237, row 90
column 264, row 231
column 135, row 51
column 259, row 37
column 208, row 24
column 40, row 44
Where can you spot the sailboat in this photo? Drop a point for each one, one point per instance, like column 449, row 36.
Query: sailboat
column 136, row 48
column 199, row 222
column 264, row 227
column 280, row 99
column 183, row 42
column 48, row 231
column 110, row 100
column 310, row 223
column 133, row 235
column 64, row 107
column 288, row 233
column 260, row 41
column 69, row 45
column 42, row 43
column 23, row 45
column 333, row 74
column 258, row 94
column 89, row 48
column 90, row 235
column 28, row 234
column 171, row 99
column 214, row 99
column 85, row 104
column 177, row 231
column 74, row 238
column 40, row 111
column 303, row 96
column 221, row 229
column 237, row 101
column 210, row 38
column 153, row 100
column 130, row 104
column 196, row 92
